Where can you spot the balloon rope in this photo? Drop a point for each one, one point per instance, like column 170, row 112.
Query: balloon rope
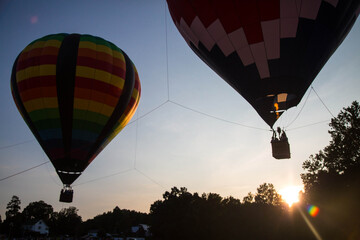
column 152, row 180
column 217, row 118
column 2, row 179
column 136, row 143
column 16, row 144
column 144, row 115
column 167, row 55
column 322, row 102
column 308, row 125
column 103, row 177
column 300, row 109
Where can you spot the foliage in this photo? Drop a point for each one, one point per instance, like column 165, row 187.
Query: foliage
column 249, row 198
column 13, row 207
column 266, row 194
column 12, row 223
column 342, row 156
column 332, row 177
column 65, row 222
column 36, row 211
column 118, row 221
column 182, row 215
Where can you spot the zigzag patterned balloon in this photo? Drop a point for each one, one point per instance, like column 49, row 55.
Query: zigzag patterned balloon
column 269, row 51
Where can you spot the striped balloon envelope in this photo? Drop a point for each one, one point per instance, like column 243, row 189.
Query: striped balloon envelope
column 76, row 93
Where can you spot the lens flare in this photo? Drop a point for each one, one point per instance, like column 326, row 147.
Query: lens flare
column 313, row 210
column 34, row 19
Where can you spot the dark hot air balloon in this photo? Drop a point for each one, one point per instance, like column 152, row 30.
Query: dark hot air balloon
column 76, row 93
column 269, row 51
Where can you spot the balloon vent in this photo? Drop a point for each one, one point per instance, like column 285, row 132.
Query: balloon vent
column 66, row 194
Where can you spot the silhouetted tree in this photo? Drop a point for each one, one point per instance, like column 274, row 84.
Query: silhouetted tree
column 65, row 222
column 118, row 221
column 13, row 221
column 37, row 211
column 182, row 215
column 342, row 156
column 332, row 178
column 267, row 194
column 13, row 207
column 249, row 198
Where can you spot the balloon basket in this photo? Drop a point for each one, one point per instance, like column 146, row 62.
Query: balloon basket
column 66, row 194
column 280, row 149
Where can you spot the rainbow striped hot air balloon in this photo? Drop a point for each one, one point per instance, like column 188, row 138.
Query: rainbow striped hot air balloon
column 76, row 93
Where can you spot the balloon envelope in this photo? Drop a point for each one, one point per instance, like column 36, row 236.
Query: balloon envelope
column 75, row 92
column 269, row 51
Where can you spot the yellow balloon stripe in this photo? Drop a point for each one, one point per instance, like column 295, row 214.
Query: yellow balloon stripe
column 93, row 106
column 101, row 48
column 40, row 103
column 36, row 71
column 40, row 44
column 100, row 75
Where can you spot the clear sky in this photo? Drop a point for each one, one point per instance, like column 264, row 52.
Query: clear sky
column 169, row 145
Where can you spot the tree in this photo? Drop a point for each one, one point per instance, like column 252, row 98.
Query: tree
column 173, row 217
column 13, row 207
column 37, row 211
column 182, row 215
column 332, row 177
column 118, row 221
column 342, row 155
column 338, row 164
column 267, row 194
column 65, row 222
column 13, row 221
column 249, row 198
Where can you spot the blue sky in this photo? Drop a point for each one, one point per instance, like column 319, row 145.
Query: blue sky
column 168, row 145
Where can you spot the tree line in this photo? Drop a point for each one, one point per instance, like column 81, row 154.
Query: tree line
column 331, row 181
column 66, row 222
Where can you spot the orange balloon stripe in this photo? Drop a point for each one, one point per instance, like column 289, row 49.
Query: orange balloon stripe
column 129, row 112
column 132, row 106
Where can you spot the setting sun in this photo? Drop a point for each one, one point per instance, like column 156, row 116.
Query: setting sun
column 290, row 194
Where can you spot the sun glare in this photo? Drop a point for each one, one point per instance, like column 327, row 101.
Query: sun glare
column 290, row 194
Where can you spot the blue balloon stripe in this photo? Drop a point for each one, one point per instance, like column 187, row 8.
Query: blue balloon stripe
column 54, row 133
column 84, row 135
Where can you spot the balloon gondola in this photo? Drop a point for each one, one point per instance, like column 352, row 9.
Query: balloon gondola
column 280, row 145
column 75, row 93
column 269, row 51
column 66, row 194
